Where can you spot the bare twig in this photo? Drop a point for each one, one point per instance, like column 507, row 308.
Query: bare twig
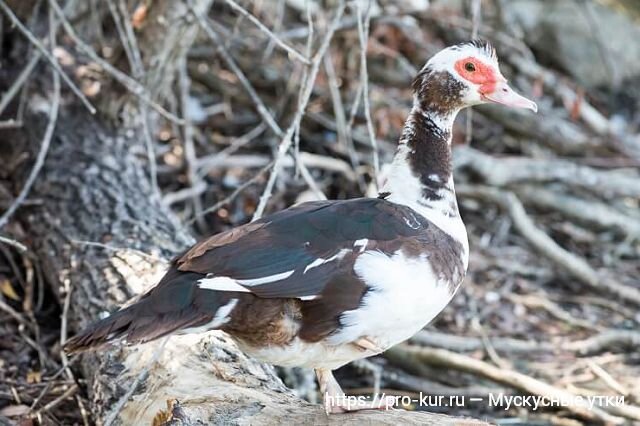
column 249, row 161
column 235, row 193
column 189, row 147
column 53, row 61
column 343, row 130
column 586, row 211
column 13, row 243
column 607, row 378
column 204, row 163
column 59, row 400
column 363, row 36
column 129, row 38
column 150, row 148
column 608, row 340
column 228, row 59
column 604, row 341
column 534, row 301
column 19, row 81
column 14, row 314
column 280, row 13
column 44, row 148
column 122, row 34
column 306, row 175
column 129, row 83
column 190, row 192
column 510, row 170
column 300, row 166
column 305, row 95
column 277, row 40
column 130, row 45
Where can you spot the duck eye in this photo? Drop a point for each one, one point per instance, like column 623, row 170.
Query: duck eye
column 469, row 66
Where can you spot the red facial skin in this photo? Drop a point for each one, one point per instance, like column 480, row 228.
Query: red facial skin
column 484, row 75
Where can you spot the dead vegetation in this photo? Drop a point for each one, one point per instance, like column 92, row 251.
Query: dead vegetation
column 287, row 101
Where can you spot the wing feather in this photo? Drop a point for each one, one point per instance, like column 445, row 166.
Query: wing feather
column 273, row 257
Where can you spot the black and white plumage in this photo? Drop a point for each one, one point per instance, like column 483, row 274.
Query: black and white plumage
column 324, row 283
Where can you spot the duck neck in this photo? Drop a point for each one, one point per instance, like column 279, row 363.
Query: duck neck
column 421, row 174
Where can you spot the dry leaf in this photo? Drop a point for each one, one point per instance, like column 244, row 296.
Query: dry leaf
column 139, row 15
column 14, row 410
column 7, row 289
column 34, row 376
column 574, row 112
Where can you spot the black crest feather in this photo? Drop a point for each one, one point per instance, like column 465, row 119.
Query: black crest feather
column 482, row 45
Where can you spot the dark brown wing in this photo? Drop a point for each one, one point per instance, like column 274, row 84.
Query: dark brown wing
column 296, row 252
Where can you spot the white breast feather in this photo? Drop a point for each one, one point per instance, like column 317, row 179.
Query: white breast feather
column 405, row 296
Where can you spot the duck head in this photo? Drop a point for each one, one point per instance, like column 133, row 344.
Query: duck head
column 464, row 75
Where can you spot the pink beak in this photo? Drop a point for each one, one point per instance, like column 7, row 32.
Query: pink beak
column 505, row 95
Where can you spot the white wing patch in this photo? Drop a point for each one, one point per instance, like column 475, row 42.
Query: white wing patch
column 311, row 297
column 361, row 243
column 230, row 284
column 222, row 314
column 412, row 222
column 221, row 317
column 221, row 284
column 321, row 261
column 268, row 279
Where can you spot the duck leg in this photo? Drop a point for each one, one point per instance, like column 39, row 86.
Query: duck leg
column 366, row 344
column 335, row 401
column 332, row 394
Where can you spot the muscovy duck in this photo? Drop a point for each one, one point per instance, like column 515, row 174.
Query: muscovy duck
column 324, row 283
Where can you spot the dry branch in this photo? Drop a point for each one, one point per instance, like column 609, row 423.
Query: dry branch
column 42, row 153
column 590, row 212
column 305, row 94
column 594, row 119
column 609, row 340
column 268, row 32
column 133, row 86
column 405, row 354
column 511, row 170
column 19, row 81
column 363, row 36
column 50, row 58
column 548, row 247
